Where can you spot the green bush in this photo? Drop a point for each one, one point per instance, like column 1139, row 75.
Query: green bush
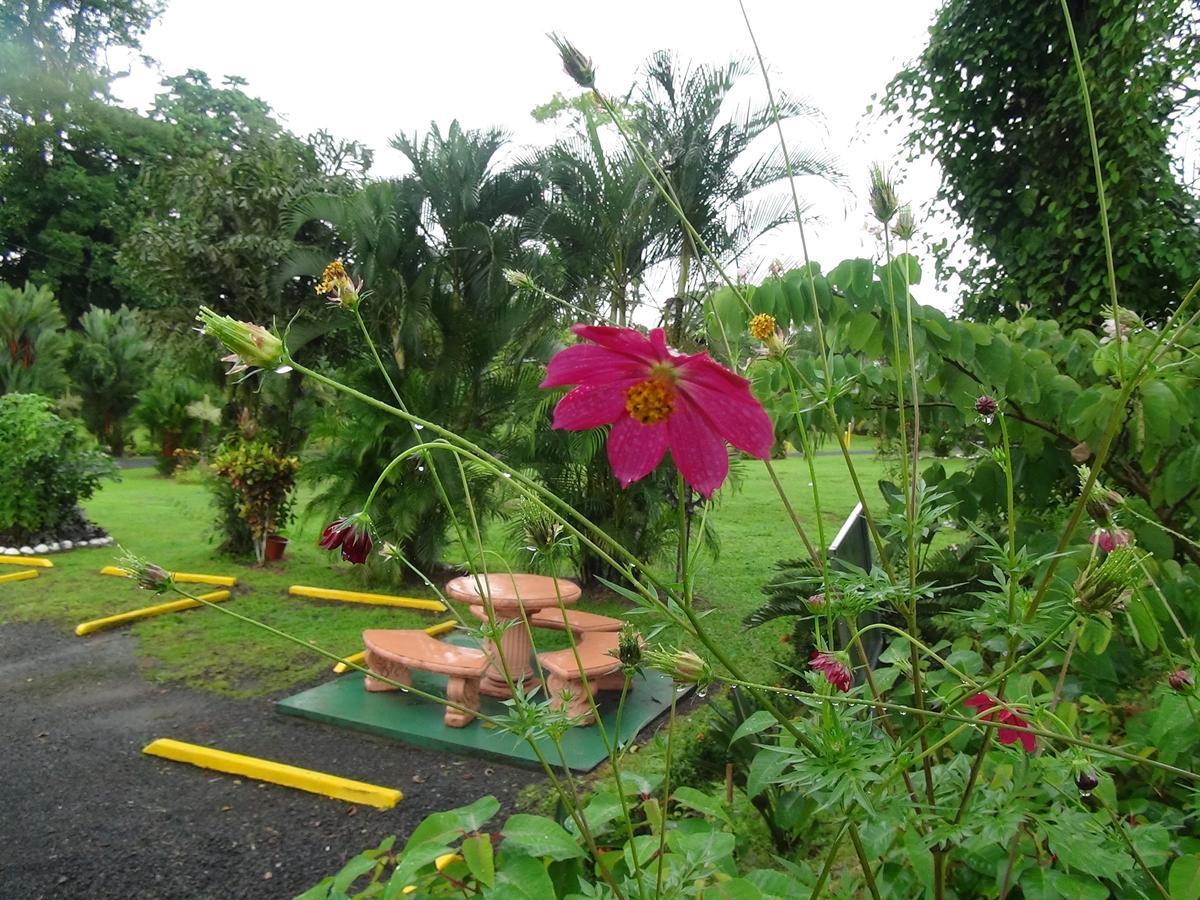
column 48, row 465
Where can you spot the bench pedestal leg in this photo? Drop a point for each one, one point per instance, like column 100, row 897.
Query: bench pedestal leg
column 388, row 669
column 464, row 692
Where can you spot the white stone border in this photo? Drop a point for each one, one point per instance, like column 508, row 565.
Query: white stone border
column 55, row 547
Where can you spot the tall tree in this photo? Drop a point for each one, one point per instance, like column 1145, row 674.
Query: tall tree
column 600, row 217
column 996, row 101
column 703, row 148
column 69, row 156
column 460, row 345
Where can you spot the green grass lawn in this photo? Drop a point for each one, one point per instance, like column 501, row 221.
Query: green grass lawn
column 169, row 522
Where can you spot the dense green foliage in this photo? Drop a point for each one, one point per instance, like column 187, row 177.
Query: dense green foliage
column 33, row 345
column 110, row 364
column 48, row 466
column 996, row 102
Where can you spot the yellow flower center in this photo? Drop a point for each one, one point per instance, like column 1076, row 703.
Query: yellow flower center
column 762, row 327
column 652, row 400
column 333, row 278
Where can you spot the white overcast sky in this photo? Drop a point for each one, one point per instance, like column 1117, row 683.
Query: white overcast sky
column 369, row 69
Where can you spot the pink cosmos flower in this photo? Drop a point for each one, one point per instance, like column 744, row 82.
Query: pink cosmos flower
column 835, row 671
column 657, row 399
column 1109, row 539
column 990, row 710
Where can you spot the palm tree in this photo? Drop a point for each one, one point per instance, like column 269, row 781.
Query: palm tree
column 599, row 217
column 701, row 149
column 110, row 365
column 462, row 348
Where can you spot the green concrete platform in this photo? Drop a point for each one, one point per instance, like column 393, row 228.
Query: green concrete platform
column 411, row 720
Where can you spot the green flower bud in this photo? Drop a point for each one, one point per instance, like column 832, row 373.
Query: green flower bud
column 251, row 346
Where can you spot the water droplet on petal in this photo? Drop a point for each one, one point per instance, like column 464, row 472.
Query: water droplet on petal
column 702, row 693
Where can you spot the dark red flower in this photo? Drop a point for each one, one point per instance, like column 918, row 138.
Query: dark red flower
column 1180, row 679
column 990, row 710
column 835, row 671
column 986, row 406
column 352, row 534
column 1109, row 539
column 1086, row 782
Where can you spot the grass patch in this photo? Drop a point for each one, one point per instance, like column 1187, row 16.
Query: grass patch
column 169, row 521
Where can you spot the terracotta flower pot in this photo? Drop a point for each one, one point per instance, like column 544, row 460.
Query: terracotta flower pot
column 276, row 544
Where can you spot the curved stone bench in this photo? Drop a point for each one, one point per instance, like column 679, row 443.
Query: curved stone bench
column 563, row 620
column 571, row 682
column 394, row 653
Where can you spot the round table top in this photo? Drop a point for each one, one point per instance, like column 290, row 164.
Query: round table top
column 511, row 592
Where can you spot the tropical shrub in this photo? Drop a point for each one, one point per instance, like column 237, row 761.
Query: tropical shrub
column 33, row 342
column 261, row 482
column 167, row 410
column 48, row 466
column 109, row 366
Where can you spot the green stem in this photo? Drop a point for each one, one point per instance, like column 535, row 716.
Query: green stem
column 863, row 861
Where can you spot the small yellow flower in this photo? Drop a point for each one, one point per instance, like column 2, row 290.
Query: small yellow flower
column 762, row 327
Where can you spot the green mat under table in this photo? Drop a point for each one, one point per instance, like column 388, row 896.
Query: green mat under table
column 411, row 720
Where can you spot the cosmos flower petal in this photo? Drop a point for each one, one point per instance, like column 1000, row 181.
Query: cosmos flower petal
column 980, row 702
column 1008, row 736
column 658, row 341
column 589, row 364
column 620, row 340
column 591, row 406
column 697, row 449
column 634, row 449
column 731, row 411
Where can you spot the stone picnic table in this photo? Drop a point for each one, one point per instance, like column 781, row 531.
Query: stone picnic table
column 512, row 598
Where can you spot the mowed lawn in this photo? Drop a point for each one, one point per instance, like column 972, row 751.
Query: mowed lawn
column 169, row 522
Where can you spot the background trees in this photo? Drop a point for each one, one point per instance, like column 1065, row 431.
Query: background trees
column 995, row 100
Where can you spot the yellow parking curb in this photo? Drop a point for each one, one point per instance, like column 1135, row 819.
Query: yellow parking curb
column 146, row 612
column 181, row 577
column 19, row 576
column 357, row 658
column 303, row 590
column 275, row 773
column 26, row 561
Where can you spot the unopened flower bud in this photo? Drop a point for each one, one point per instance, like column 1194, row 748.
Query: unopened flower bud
column 882, row 194
column 1086, row 782
column 629, row 648
column 905, row 226
column 683, row 666
column 986, row 406
column 1180, row 680
column 518, row 279
column 575, row 64
column 149, row 577
column 1105, row 588
column 251, row 346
